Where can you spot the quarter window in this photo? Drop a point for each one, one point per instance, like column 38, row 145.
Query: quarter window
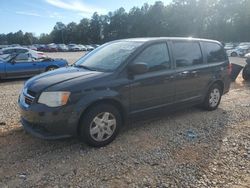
column 156, row 57
column 215, row 53
column 187, row 54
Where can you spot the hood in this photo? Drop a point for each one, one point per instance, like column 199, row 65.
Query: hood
column 48, row 79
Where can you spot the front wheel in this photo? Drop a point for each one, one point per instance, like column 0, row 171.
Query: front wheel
column 100, row 125
column 213, row 98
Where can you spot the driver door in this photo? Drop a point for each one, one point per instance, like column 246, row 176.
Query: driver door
column 21, row 66
column 155, row 88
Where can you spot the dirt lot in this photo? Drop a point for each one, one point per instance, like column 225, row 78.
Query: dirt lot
column 188, row 148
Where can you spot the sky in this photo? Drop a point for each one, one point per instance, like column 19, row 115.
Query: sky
column 40, row 16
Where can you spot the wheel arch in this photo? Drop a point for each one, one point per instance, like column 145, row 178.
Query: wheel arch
column 220, row 83
column 111, row 101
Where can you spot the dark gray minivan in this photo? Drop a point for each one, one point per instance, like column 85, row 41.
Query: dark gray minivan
column 93, row 97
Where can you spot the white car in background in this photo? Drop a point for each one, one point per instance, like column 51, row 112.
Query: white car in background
column 240, row 51
column 247, row 55
column 5, row 52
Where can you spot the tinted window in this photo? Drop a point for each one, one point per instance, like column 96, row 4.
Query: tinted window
column 156, row 57
column 187, row 54
column 215, row 53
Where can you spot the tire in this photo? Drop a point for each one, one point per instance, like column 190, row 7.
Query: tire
column 213, row 98
column 94, row 125
column 51, row 68
column 246, row 73
column 234, row 54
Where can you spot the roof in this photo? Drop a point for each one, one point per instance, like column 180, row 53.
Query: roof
column 166, row 38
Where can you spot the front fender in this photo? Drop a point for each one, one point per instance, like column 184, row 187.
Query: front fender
column 92, row 97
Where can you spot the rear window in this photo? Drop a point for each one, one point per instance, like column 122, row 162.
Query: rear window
column 187, row 53
column 215, row 53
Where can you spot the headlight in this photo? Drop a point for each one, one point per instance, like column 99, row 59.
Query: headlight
column 54, row 99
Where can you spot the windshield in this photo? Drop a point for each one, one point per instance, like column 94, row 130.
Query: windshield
column 108, row 57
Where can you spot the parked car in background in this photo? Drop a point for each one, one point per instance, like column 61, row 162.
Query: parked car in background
column 3, row 46
column 244, row 44
column 124, row 78
column 32, row 47
column 247, row 55
column 82, row 47
column 24, row 65
column 89, row 47
column 95, row 45
column 52, row 47
column 239, row 51
column 41, row 47
column 74, row 47
column 62, row 48
column 18, row 50
column 229, row 46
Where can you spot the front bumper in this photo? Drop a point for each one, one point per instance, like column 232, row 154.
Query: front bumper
column 40, row 131
column 48, row 123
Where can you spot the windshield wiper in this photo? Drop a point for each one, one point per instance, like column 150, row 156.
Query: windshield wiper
column 85, row 67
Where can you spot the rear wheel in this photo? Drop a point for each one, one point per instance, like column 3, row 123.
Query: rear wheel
column 213, row 98
column 246, row 73
column 100, row 125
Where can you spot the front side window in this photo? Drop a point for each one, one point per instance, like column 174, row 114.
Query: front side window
column 108, row 57
column 156, row 57
column 215, row 53
column 187, row 53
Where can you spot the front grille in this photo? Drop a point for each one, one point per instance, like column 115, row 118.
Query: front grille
column 27, row 97
column 28, row 100
column 31, row 93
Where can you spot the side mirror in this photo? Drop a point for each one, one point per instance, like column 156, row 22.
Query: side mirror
column 138, row 68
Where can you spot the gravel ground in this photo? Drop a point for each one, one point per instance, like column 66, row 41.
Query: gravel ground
column 188, row 148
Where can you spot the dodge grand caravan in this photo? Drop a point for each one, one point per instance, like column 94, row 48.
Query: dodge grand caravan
column 93, row 97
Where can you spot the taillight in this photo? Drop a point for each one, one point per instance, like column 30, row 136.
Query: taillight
column 229, row 69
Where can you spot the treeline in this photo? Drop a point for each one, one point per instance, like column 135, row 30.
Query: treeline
column 224, row 20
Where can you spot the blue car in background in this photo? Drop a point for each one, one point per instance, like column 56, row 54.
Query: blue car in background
column 24, row 65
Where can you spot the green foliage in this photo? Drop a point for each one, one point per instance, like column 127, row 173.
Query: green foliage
column 224, row 20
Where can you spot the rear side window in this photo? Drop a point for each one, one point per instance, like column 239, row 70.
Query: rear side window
column 156, row 57
column 187, row 53
column 215, row 53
